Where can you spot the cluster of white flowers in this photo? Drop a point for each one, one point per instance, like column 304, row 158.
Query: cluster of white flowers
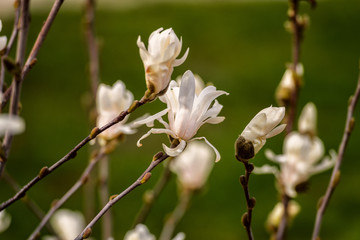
column 302, row 152
column 141, row 232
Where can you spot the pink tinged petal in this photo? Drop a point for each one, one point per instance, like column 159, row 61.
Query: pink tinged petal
column 149, row 121
column 11, row 124
column 276, row 131
column 155, row 131
column 178, row 62
column 173, row 152
column 218, row 157
column 255, row 128
column 266, row 169
column 3, row 41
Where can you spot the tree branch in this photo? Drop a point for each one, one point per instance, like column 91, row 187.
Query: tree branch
column 335, row 176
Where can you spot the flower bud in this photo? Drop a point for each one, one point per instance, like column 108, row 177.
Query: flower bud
column 308, row 119
column 244, row 150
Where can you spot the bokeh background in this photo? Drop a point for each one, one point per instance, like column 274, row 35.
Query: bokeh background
column 239, row 46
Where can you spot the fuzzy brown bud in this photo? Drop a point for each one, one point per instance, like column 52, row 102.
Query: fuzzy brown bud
column 252, row 202
column 244, row 150
column 245, row 220
column 87, row 233
column 43, row 172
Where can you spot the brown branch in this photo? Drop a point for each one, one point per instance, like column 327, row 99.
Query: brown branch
column 335, row 176
column 250, row 201
column 80, row 182
column 280, row 234
column 144, row 177
column 7, row 51
column 15, row 93
column 72, row 154
column 152, row 195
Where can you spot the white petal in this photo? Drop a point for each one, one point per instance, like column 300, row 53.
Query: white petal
column 276, row 131
column 325, row 164
column 215, row 120
column 11, row 123
column 173, row 152
column 218, row 157
column 3, row 41
column 266, row 169
column 255, row 128
column 180, row 61
column 149, row 121
column 275, row 158
column 155, row 131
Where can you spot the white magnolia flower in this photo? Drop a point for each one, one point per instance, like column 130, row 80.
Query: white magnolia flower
column 5, row 220
column 12, row 124
column 199, row 83
column 193, row 166
column 187, row 112
column 307, row 119
column 275, row 216
column 67, row 224
column 141, row 232
column 263, row 126
column 301, row 158
column 110, row 101
column 160, row 58
column 3, row 39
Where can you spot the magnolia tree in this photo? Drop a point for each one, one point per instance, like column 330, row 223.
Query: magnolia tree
column 189, row 103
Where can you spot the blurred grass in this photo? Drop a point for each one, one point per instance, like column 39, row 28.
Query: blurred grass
column 242, row 49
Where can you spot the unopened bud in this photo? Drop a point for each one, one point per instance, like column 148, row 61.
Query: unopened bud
column 245, row 220
column 242, row 180
column 244, row 150
column 148, row 196
column 351, row 124
column 43, row 172
column 146, row 178
column 157, row 156
column 251, row 203
column 113, row 196
column 94, row 132
column 336, row 180
column 87, row 233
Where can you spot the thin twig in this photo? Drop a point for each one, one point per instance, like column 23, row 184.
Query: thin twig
column 297, row 37
column 28, row 202
column 72, row 154
column 80, row 182
column 280, row 234
column 144, row 177
column 106, row 222
column 176, row 216
column 152, row 195
column 335, row 176
column 8, row 49
column 250, row 201
column 15, row 94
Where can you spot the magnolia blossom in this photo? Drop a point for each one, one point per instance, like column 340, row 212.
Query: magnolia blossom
column 187, row 112
column 275, row 216
column 5, row 220
column 263, row 126
column 160, row 59
column 199, row 83
column 141, row 232
column 110, row 101
column 12, row 124
column 302, row 157
column 193, row 166
column 287, row 84
column 67, row 224
column 307, row 120
column 3, row 39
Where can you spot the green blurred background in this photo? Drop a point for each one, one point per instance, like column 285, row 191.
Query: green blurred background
column 242, row 48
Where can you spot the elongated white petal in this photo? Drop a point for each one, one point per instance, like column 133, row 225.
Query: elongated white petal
column 155, row 131
column 173, row 152
column 276, row 131
column 178, row 62
column 149, row 121
column 266, row 169
column 218, row 157
column 215, row 120
column 255, row 128
column 275, row 158
column 325, row 164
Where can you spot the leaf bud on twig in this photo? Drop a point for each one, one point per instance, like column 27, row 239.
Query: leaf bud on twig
column 252, row 202
column 43, row 172
column 87, row 233
column 146, row 178
column 244, row 219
